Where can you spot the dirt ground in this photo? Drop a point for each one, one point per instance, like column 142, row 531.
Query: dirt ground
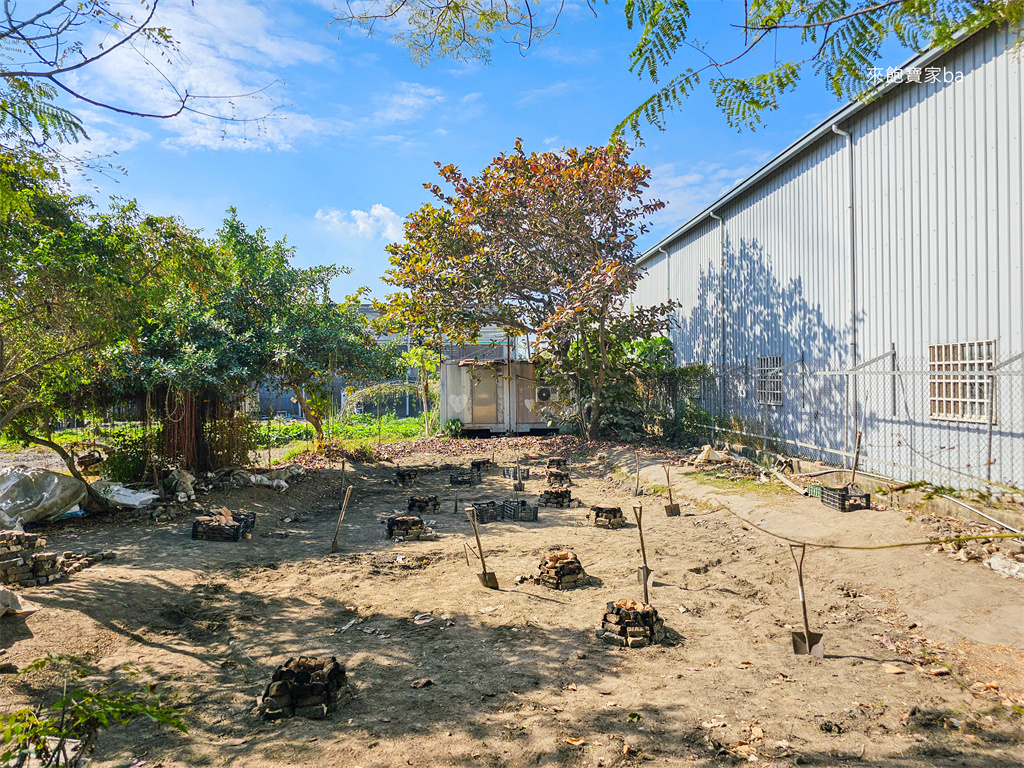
column 518, row 676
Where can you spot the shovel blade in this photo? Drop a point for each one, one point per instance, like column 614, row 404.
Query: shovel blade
column 488, row 579
column 643, row 573
column 817, row 647
column 671, row 510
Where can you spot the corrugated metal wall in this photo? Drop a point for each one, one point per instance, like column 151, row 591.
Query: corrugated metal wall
column 938, row 233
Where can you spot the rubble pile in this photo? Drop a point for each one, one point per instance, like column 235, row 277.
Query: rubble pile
column 408, row 528
column 305, row 687
column 1001, row 555
column 421, row 505
column 561, row 497
column 558, row 478
column 562, row 570
column 224, row 525
column 608, row 517
column 630, row 624
column 22, row 564
column 405, row 476
column 519, row 511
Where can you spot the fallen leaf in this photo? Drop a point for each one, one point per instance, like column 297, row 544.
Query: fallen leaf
column 574, row 741
column 756, row 732
column 934, row 671
column 891, row 669
column 712, row 724
column 634, row 717
column 423, row 682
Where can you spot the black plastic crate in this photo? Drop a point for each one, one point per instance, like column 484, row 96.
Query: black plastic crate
column 244, row 523
column 520, row 511
column 845, row 499
column 487, row 511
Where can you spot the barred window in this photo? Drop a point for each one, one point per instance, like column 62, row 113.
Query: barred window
column 959, row 380
column 769, row 380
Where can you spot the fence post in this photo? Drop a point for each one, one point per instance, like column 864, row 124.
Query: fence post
column 991, row 421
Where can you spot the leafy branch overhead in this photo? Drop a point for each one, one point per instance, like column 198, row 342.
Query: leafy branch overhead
column 839, row 40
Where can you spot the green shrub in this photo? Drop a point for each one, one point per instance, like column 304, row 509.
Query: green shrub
column 232, row 439
column 41, row 736
column 452, row 429
column 131, row 457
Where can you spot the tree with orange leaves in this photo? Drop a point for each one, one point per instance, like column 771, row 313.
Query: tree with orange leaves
column 541, row 244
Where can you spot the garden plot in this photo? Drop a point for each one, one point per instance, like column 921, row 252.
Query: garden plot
column 441, row 671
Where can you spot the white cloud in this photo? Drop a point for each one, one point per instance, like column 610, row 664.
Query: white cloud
column 380, row 222
column 409, row 102
column 470, row 97
column 231, row 53
column 569, row 55
column 555, row 89
column 688, row 191
column 550, row 141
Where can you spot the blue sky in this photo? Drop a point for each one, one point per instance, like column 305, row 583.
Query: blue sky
column 358, row 126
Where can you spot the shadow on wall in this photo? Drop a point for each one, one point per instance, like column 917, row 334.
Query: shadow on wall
column 764, row 316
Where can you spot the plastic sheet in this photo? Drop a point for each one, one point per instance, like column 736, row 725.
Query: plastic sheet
column 35, row 495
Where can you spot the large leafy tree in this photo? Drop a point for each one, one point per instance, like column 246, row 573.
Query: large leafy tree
column 258, row 318
column 72, row 283
column 540, row 244
column 842, row 40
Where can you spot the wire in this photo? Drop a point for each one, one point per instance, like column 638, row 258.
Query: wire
column 864, row 547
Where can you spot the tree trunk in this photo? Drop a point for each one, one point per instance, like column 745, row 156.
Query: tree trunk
column 309, row 414
column 94, row 502
column 594, row 427
column 425, row 397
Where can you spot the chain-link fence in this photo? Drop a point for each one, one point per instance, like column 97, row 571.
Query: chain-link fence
column 950, row 423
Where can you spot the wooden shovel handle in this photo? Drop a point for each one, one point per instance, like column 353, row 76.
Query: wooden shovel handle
column 476, row 532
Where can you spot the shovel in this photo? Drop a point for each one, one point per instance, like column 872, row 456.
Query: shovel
column 643, row 573
column 805, row 643
column 334, row 544
column 671, row 509
column 487, row 578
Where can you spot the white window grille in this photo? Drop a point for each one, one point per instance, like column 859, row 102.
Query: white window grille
column 959, row 380
column 769, row 380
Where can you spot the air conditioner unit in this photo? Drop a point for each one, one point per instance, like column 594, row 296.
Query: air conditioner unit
column 543, row 394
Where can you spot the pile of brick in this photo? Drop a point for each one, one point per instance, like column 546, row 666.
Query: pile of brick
column 478, row 465
column 519, row 511
column 305, row 687
column 561, row 497
column 487, row 511
column 516, row 473
column 23, row 564
column 409, row 528
column 422, row 505
column 558, row 478
column 557, row 462
column 630, row 624
column 404, row 476
column 608, row 517
column 562, row 570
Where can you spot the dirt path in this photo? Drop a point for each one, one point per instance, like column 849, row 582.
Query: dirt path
column 518, row 675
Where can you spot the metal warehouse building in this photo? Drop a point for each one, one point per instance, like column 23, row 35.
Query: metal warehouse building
column 870, row 279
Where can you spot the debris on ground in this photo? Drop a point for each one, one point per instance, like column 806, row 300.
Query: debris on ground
column 21, row 563
column 34, row 495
